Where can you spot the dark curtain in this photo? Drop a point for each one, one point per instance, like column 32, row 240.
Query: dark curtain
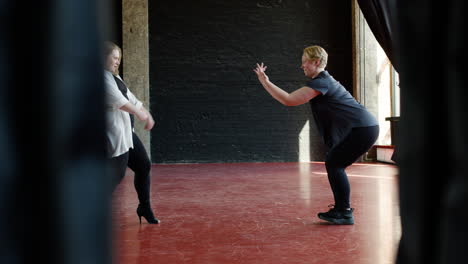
column 433, row 151
column 379, row 15
column 54, row 187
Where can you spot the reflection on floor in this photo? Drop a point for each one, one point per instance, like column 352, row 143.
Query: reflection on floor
column 257, row 213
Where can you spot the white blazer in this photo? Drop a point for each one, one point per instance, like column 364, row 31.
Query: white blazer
column 118, row 126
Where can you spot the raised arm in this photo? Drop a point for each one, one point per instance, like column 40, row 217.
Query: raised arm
column 298, row 97
column 137, row 111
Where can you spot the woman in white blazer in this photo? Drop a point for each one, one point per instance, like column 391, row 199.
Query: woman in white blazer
column 124, row 147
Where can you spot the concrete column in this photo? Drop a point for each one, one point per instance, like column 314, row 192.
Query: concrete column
column 136, row 56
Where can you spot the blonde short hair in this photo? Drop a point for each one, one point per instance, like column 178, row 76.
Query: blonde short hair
column 317, row 52
column 109, row 47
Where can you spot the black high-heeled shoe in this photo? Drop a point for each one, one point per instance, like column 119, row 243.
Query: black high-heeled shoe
column 147, row 213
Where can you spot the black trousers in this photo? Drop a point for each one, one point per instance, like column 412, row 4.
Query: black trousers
column 344, row 154
column 118, row 166
column 138, row 161
column 140, row 164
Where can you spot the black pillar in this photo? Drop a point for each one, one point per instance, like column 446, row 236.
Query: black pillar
column 54, row 187
column 433, row 131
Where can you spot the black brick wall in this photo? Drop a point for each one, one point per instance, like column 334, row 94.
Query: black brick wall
column 207, row 102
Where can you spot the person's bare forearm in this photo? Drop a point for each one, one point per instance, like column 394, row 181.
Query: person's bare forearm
column 132, row 109
column 279, row 94
column 141, row 113
column 298, row 97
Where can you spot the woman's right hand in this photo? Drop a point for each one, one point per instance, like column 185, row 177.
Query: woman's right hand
column 260, row 71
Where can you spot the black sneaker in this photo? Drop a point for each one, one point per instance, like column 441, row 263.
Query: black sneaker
column 337, row 216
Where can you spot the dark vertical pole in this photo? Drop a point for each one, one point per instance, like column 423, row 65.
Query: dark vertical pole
column 54, row 194
column 433, row 131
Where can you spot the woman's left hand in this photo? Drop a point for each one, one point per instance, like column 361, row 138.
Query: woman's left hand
column 260, row 71
column 149, row 123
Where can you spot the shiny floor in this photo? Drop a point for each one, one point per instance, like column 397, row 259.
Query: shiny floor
column 257, row 213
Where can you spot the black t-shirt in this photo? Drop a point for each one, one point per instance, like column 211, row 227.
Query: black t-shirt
column 336, row 111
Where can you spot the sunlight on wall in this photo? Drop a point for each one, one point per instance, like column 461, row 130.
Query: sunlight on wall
column 304, row 156
column 304, row 143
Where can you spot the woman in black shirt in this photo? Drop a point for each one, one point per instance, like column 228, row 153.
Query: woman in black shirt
column 347, row 128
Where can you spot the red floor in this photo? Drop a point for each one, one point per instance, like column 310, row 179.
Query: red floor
column 257, row 213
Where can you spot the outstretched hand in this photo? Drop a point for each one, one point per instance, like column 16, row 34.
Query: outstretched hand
column 260, row 71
